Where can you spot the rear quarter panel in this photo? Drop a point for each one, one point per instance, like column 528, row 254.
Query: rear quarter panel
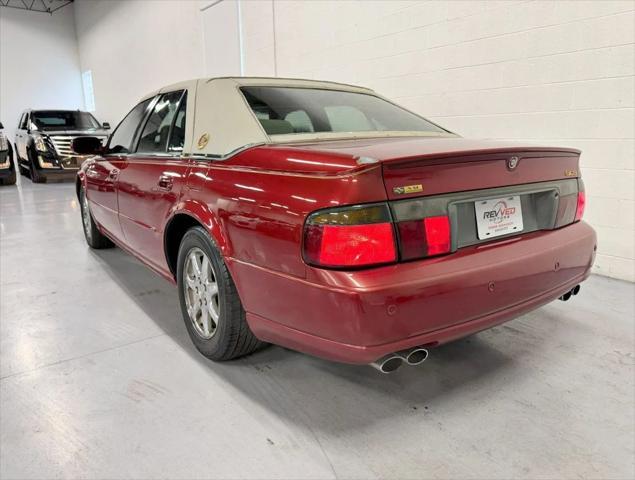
column 261, row 211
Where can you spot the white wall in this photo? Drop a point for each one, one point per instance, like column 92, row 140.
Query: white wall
column 221, row 37
column 39, row 67
column 559, row 73
column 135, row 47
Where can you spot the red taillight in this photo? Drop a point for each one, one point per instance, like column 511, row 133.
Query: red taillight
column 350, row 237
column 423, row 238
column 437, row 234
column 579, row 211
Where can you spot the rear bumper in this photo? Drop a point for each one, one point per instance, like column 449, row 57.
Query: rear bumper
column 357, row 317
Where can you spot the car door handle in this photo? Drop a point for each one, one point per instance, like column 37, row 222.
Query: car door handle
column 113, row 174
column 165, row 182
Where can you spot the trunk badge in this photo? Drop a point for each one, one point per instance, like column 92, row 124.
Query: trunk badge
column 407, row 189
column 512, row 163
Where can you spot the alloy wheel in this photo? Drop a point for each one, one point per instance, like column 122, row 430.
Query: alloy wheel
column 200, row 290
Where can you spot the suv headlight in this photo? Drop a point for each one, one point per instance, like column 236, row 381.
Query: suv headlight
column 40, row 144
column 3, row 143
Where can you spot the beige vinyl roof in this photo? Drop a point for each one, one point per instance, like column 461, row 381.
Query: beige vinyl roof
column 217, row 111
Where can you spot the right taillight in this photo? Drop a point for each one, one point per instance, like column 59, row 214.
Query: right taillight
column 579, row 211
column 425, row 237
column 357, row 236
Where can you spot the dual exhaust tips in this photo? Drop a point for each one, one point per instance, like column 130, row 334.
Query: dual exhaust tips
column 391, row 362
column 574, row 291
column 415, row 356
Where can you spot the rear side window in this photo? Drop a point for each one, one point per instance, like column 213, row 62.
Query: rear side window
column 123, row 136
column 289, row 110
column 22, row 124
column 156, row 132
column 177, row 137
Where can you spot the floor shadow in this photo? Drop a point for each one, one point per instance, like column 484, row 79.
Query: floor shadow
column 309, row 391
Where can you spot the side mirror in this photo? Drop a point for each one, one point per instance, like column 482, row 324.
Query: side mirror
column 106, row 126
column 87, row 146
column 1, row 126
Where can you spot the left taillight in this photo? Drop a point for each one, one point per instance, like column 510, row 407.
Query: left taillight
column 357, row 236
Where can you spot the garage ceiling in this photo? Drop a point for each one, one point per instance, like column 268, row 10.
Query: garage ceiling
column 44, row 6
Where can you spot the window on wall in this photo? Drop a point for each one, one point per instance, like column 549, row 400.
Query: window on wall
column 89, row 95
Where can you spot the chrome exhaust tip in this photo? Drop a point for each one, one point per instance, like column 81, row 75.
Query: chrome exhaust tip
column 388, row 363
column 416, row 356
column 574, row 291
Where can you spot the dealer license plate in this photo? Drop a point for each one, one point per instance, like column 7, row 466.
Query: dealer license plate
column 498, row 216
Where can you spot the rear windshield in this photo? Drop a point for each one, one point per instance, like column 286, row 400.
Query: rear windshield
column 288, row 110
column 66, row 120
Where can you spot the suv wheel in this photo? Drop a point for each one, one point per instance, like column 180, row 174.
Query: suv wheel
column 18, row 162
column 34, row 173
column 212, row 311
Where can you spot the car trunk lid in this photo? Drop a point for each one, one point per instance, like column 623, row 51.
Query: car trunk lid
column 449, row 193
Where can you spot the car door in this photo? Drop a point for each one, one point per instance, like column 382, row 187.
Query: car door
column 102, row 174
column 150, row 184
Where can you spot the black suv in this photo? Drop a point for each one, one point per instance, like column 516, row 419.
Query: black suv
column 7, row 167
column 43, row 142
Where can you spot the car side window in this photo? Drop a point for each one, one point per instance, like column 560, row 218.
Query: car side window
column 22, row 124
column 154, row 137
column 177, row 138
column 123, row 136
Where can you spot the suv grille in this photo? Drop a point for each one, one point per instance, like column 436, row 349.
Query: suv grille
column 62, row 144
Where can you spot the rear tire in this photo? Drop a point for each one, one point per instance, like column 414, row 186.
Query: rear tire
column 94, row 238
column 211, row 308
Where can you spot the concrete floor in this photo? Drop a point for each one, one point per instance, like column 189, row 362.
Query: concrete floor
column 99, row 380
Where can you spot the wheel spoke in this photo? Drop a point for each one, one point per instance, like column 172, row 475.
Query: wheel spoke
column 192, row 311
column 195, row 264
column 213, row 311
column 205, row 269
column 205, row 321
column 212, row 290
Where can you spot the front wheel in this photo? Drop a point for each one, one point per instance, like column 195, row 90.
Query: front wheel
column 213, row 313
column 18, row 161
column 94, row 238
column 34, row 173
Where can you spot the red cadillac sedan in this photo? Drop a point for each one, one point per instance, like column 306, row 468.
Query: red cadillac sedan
column 325, row 218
